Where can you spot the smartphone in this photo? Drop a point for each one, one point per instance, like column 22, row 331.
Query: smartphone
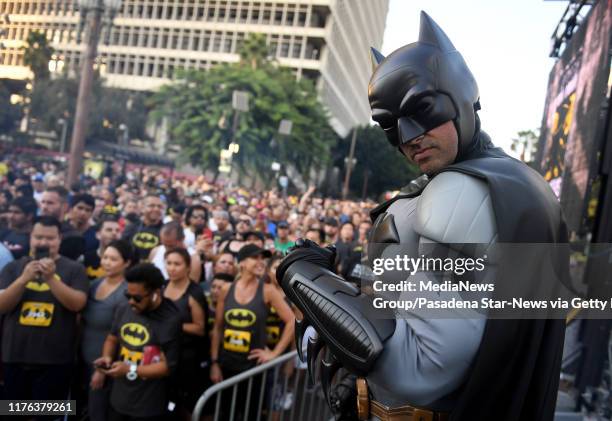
column 41, row 253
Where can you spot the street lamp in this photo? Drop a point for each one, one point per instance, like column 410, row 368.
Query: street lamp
column 62, row 122
column 240, row 103
column 350, row 161
column 91, row 12
column 124, row 140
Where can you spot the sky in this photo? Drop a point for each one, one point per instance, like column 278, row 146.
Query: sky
column 506, row 45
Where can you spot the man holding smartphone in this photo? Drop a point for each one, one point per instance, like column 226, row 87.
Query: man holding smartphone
column 40, row 297
column 142, row 348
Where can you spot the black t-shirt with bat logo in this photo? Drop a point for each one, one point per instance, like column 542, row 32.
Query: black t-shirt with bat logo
column 142, row 337
column 40, row 330
column 144, row 238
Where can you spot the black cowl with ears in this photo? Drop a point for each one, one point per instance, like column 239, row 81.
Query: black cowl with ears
column 423, row 85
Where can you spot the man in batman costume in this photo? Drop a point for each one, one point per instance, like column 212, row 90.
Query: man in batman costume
column 426, row 100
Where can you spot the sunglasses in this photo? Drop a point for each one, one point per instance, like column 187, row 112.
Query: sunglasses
column 137, row 298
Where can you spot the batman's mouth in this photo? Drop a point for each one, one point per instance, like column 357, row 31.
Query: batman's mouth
column 421, row 154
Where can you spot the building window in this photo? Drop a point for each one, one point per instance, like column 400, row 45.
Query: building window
column 297, row 50
column 206, row 41
column 185, row 43
column 196, row 41
column 284, row 49
column 216, row 42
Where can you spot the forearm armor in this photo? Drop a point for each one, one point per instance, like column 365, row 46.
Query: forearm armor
column 336, row 310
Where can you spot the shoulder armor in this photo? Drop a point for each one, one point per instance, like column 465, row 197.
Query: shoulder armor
column 456, row 208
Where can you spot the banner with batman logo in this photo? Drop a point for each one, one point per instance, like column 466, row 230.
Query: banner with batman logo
column 236, row 340
column 134, row 334
column 36, row 314
column 240, row 317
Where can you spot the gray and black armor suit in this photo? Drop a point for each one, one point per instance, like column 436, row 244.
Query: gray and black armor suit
column 476, row 369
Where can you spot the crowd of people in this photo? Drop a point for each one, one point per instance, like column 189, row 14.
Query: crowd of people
column 135, row 292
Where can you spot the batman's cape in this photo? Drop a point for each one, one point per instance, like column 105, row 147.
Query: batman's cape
column 515, row 374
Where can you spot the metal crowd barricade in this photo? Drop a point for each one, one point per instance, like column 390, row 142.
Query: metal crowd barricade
column 307, row 402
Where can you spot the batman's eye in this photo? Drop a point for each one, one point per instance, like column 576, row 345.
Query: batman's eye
column 386, row 123
column 424, row 105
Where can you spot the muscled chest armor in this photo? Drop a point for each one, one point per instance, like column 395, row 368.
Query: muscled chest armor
column 396, row 225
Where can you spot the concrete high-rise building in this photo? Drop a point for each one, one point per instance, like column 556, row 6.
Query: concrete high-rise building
column 324, row 40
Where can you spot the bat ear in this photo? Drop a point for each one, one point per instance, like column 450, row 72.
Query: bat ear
column 376, row 57
column 431, row 33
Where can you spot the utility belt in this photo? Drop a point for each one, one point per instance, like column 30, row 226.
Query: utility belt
column 367, row 408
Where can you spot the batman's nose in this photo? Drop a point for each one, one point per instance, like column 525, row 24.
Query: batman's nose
column 409, row 130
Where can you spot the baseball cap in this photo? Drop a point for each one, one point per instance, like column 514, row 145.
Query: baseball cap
column 283, row 224
column 257, row 234
column 38, row 177
column 331, row 221
column 251, row 250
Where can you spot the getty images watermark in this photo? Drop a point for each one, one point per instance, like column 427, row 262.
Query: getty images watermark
column 483, row 280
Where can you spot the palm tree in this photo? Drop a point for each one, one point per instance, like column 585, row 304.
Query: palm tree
column 254, row 50
column 36, row 54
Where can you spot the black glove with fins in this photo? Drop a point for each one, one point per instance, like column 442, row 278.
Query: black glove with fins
column 336, row 309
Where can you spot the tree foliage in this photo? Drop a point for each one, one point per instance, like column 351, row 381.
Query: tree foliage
column 526, row 144
column 387, row 169
column 9, row 113
column 36, row 55
column 199, row 108
column 56, row 99
column 254, row 51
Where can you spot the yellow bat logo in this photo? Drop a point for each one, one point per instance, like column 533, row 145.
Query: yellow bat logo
column 273, row 316
column 95, row 272
column 273, row 334
column 145, row 240
column 130, row 356
column 236, row 340
column 134, row 334
column 36, row 314
column 240, row 317
column 37, row 286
